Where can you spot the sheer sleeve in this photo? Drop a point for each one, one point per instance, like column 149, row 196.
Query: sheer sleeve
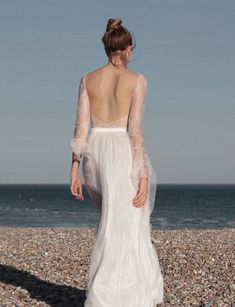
column 78, row 143
column 141, row 163
column 135, row 132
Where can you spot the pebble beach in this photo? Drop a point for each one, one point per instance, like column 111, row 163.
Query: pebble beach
column 43, row 266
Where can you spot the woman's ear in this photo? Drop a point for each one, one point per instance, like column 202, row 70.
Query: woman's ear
column 128, row 50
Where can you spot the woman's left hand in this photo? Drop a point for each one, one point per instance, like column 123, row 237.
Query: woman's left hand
column 139, row 200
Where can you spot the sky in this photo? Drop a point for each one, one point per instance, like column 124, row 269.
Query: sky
column 184, row 48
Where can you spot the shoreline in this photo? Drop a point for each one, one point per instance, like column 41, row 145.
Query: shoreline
column 93, row 227
column 48, row 266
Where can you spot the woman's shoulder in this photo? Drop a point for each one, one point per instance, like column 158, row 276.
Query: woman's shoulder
column 139, row 76
column 93, row 74
column 87, row 75
column 136, row 73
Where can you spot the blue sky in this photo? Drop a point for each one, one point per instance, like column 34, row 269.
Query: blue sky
column 184, row 48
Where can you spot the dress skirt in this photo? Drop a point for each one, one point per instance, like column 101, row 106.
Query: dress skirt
column 124, row 266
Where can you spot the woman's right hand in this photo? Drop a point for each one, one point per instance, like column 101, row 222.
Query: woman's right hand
column 76, row 186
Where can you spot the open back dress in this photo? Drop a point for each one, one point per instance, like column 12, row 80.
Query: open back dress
column 124, row 266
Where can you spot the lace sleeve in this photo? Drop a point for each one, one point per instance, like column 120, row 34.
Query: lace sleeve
column 78, row 143
column 141, row 163
column 140, row 169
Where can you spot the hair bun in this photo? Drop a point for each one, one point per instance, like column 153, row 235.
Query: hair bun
column 113, row 24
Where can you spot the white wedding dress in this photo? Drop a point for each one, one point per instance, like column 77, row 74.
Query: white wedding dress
column 124, row 267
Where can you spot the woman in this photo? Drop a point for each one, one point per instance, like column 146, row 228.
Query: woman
column 124, row 267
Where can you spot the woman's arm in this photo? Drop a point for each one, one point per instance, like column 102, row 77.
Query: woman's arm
column 139, row 173
column 75, row 164
column 78, row 142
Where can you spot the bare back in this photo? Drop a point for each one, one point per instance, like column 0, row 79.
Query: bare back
column 109, row 98
column 110, row 95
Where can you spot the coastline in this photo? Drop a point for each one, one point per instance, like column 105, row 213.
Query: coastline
column 48, row 266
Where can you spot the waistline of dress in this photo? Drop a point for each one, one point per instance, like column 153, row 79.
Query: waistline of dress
column 111, row 129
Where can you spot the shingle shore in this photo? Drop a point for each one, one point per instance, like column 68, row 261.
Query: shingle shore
column 43, row 266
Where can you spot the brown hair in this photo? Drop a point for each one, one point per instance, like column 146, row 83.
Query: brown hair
column 116, row 39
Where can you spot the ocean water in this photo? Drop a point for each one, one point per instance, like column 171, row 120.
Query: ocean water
column 177, row 206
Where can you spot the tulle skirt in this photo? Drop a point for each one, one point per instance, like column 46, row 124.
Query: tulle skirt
column 124, row 266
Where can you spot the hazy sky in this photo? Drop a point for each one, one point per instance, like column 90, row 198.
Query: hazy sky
column 184, row 48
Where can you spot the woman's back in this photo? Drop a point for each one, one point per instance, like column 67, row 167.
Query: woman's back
column 110, row 96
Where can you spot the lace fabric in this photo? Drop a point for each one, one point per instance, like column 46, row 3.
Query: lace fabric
column 121, row 122
column 135, row 131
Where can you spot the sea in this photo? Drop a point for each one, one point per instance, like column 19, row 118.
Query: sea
column 177, row 206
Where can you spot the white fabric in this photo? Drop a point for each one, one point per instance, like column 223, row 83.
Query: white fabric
column 124, row 267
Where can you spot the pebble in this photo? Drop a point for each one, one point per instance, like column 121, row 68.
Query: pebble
column 43, row 266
